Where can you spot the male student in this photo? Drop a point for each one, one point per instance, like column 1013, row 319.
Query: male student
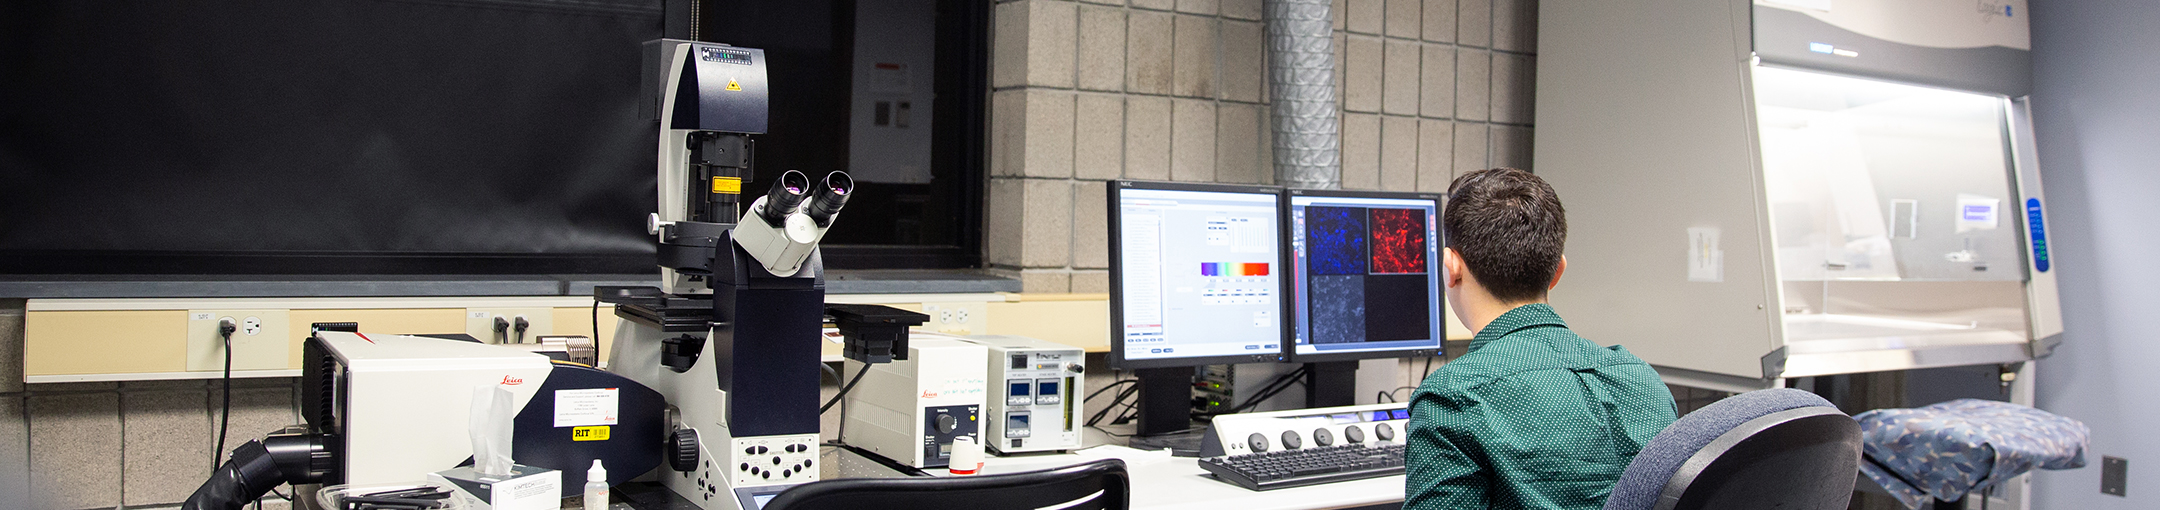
column 1532, row 416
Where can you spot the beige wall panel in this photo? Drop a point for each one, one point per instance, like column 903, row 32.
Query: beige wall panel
column 98, row 342
column 1084, row 324
column 406, row 321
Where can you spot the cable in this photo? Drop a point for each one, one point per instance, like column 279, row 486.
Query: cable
column 596, row 321
column 1114, row 434
column 225, row 331
column 1098, row 391
column 844, row 389
column 1105, row 411
column 841, row 432
column 1390, row 394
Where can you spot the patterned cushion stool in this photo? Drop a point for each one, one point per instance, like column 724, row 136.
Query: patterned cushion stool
column 1944, row 451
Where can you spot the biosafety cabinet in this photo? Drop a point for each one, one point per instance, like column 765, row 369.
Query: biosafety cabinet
column 1793, row 188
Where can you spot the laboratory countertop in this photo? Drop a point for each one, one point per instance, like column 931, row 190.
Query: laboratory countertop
column 882, row 281
column 1158, row 482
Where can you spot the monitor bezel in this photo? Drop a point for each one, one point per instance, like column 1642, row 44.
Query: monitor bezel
column 1289, row 351
column 1117, row 299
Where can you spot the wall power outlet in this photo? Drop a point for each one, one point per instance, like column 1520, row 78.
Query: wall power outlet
column 480, row 323
column 261, row 340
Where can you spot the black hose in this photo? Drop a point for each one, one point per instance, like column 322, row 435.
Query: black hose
column 242, row 480
column 257, row 467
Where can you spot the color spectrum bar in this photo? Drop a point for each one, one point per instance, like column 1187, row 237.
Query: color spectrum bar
column 1233, row 269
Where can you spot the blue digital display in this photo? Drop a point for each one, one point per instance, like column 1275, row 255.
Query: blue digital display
column 1020, row 389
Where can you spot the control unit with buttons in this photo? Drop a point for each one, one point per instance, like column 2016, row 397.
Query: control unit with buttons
column 1371, row 425
column 1037, row 402
column 773, row 459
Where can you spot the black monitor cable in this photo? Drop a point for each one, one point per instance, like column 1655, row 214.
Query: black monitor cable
column 225, row 332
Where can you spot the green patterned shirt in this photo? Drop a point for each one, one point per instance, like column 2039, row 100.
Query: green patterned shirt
column 1532, row 417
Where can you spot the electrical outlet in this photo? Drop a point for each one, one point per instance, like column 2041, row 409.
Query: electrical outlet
column 2114, row 474
column 957, row 318
column 480, row 323
column 259, row 341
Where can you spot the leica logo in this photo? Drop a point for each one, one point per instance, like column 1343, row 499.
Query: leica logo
column 929, row 394
column 512, row 381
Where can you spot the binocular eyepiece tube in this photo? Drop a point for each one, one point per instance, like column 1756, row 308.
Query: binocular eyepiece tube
column 786, row 194
column 829, row 197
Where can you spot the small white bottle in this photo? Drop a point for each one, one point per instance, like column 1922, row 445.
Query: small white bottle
column 596, row 487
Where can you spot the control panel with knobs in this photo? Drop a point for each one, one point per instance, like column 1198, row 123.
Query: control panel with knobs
column 1372, row 425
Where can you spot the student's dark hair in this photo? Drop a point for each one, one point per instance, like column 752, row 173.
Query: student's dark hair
column 1509, row 228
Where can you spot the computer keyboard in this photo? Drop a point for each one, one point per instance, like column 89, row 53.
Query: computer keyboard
column 1307, row 466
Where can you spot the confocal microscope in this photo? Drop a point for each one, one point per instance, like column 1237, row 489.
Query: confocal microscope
column 732, row 335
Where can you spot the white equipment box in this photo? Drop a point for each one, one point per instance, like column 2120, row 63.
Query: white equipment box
column 1038, row 400
column 910, row 410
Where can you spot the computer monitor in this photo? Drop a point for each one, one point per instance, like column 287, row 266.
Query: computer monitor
column 1196, row 278
column 1195, row 274
column 1364, row 275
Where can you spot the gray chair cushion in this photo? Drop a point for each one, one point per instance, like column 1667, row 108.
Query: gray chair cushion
column 1645, row 477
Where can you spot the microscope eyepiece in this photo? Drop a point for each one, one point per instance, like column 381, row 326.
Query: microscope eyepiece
column 787, row 193
column 829, row 197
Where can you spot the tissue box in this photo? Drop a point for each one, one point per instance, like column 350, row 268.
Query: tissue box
column 526, row 488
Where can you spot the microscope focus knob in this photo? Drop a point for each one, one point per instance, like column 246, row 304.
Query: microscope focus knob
column 683, row 450
column 946, row 423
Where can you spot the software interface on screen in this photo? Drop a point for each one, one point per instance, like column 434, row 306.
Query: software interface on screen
column 1198, row 273
column 1365, row 274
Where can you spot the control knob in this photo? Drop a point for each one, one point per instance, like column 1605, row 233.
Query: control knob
column 683, row 450
column 1291, row 441
column 946, row 423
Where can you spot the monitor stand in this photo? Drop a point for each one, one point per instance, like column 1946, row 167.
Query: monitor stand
column 1165, row 400
column 1334, row 384
column 1165, row 406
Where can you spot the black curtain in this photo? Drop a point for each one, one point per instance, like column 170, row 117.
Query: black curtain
column 356, row 136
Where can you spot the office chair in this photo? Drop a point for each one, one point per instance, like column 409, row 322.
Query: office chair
column 1098, row 485
column 1776, row 448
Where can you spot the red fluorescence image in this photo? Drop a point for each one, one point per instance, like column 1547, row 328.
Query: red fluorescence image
column 1398, row 241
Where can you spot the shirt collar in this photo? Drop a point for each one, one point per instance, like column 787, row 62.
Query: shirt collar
column 1521, row 318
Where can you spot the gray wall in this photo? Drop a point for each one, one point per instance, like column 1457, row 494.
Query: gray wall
column 2096, row 109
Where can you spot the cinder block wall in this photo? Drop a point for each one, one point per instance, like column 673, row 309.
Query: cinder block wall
column 1088, row 91
column 112, row 445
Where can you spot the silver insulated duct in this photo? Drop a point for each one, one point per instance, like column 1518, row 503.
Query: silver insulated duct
column 1301, row 76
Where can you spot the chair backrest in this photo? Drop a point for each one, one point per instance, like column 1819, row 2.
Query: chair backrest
column 1776, row 448
column 1098, row 485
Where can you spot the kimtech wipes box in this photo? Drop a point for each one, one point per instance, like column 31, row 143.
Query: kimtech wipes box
column 526, row 488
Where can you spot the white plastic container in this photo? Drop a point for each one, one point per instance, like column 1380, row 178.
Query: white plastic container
column 596, row 487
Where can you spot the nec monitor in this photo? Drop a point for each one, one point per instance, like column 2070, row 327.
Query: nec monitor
column 1196, row 274
column 1364, row 275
